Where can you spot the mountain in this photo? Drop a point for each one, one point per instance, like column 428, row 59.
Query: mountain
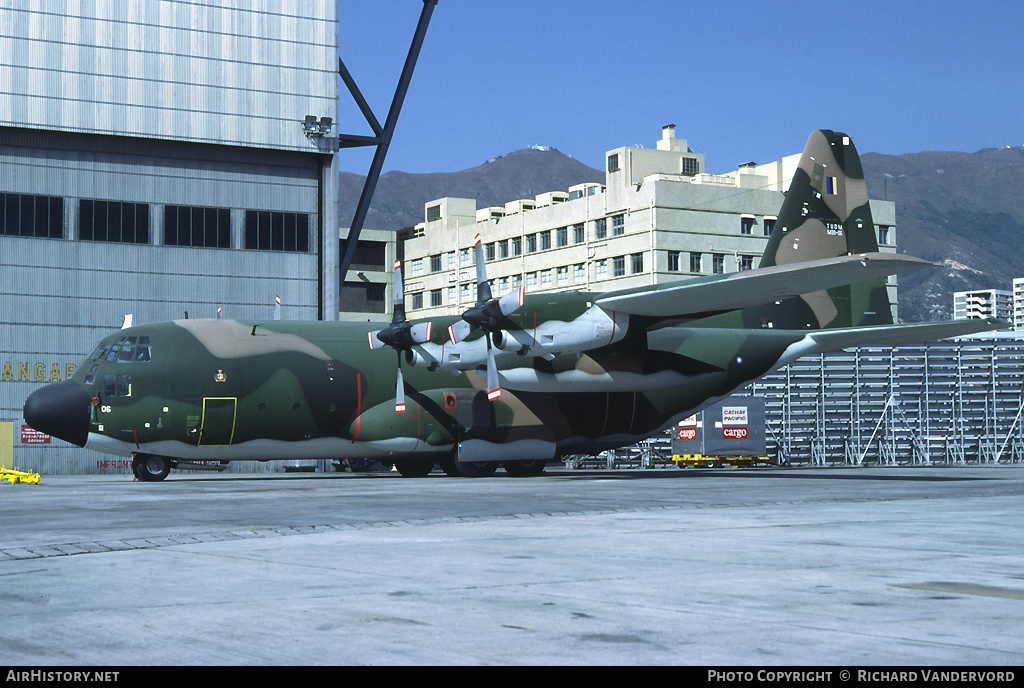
column 962, row 210
column 400, row 196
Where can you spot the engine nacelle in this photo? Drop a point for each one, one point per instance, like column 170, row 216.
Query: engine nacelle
column 507, row 341
column 418, row 357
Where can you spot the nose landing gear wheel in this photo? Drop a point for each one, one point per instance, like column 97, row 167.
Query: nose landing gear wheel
column 150, row 469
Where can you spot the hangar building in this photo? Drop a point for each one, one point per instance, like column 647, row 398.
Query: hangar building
column 158, row 157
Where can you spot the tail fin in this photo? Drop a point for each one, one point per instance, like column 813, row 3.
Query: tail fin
column 826, row 214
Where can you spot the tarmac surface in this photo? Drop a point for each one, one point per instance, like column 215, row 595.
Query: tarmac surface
column 753, row 567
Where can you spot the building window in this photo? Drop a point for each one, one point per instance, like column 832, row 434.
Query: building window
column 718, row 263
column 695, row 262
column 601, row 270
column 618, row 225
column 673, row 261
column 636, row 261
column 451, row 260
column 531, row 280
column 368, row 255
column 417, row 301
column 545, row 279
column 601, row 228
column 517, row 246
column 33, row 216
column 273, row 231
column 200, row 227
column 464, row 256
column 113, row 221
column 562, row 236
column 433, row 213
column 691, row 166
column 618, row 266
column 563, row 276
column 578, row 236
column 416, row 266
column 613, row 162
column 580, row 273
column 883, row 234
column 768, row 225
column 435, row 298
column 545, row 240
column 746, row 263
column 746, row 225
column 435, row 262
column 503, row 249
column 489, row 252
column 531, row 243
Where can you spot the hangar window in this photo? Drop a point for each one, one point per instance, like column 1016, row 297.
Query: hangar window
column 113, row 221
column 32, row 216
column 201, row 227
column 271, row 231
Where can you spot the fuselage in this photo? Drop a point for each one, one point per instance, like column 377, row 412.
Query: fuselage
column 242, row 390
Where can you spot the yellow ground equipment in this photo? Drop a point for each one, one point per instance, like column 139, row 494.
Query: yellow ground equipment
column 18, row 476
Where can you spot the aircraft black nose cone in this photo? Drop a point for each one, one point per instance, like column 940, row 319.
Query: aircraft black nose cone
column 60, row 409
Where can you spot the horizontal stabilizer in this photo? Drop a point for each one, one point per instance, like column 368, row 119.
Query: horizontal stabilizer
column 720, row 293
column 900, row 335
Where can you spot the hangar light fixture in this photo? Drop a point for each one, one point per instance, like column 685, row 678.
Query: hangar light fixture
column 309, row 126
column 312, row 128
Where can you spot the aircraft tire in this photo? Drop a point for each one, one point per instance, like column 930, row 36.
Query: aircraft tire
column 525, row 469
column 448, row 466
column 414, row 468
column 150, row 469
column 476, row 469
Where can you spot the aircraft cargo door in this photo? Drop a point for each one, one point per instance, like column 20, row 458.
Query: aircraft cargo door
column 218, row 425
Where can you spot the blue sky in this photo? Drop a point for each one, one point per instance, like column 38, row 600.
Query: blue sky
column 741, row 80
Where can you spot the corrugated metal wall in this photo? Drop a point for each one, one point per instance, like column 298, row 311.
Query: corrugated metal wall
column 217, row 71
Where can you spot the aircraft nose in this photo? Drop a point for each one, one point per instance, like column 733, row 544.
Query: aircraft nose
column 60, row 409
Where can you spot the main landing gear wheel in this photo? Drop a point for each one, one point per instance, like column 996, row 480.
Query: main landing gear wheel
column 448, row 466
column 150, row 469
column 525, row 469
column 413, row 468
column 476, row 469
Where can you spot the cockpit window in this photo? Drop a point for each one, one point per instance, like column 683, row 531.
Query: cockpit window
column 128, row 349
column 117, row 385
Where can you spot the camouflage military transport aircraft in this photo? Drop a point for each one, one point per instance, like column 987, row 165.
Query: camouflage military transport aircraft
column 518, row 381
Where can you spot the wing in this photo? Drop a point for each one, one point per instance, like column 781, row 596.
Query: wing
column 719, row 293
column 900, row 335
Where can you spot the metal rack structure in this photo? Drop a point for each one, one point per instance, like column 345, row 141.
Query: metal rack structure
column 951, row 402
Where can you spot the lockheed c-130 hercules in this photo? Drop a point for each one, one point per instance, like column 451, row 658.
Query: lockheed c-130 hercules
column 516, row 381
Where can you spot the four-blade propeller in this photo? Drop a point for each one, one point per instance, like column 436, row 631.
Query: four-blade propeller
column 486, row 316
column 400, row 335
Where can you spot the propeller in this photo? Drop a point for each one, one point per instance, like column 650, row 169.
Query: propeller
column 486, row 316
column 277, row 307
column 400, row 335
